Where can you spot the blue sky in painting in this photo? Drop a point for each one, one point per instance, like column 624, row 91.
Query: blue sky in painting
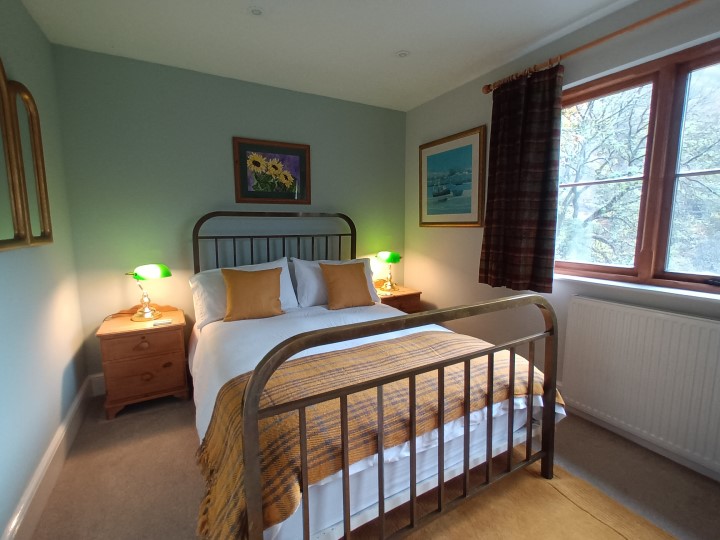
column 457, row 158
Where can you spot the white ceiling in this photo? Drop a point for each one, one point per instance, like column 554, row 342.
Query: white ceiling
column 344, row 49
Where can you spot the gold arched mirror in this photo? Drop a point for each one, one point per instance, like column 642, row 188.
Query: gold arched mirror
column 12, row 216
column 31, row 163
column 24, row 202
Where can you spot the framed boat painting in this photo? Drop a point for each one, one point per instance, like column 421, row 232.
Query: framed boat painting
column 452, row 180
column 271, row 172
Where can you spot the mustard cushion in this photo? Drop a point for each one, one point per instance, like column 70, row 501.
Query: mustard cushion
column 252, row 294
column 346, row 285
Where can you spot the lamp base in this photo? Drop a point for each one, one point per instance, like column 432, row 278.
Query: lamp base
column 145, row 314
column 389, row 286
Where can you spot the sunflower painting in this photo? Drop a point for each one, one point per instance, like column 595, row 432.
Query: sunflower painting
column 271, row 172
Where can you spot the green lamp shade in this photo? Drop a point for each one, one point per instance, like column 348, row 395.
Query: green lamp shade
column 389, row 257
column 151, row 271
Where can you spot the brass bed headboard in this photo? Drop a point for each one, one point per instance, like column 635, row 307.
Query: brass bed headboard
column 230, row 238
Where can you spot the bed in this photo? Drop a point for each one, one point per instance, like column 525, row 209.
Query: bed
column 351, row 421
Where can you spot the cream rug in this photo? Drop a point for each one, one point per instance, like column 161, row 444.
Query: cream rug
column 526, row 505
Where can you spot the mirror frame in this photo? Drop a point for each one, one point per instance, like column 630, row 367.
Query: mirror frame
column 15, row 185
column 23, row 236
column 18, row 90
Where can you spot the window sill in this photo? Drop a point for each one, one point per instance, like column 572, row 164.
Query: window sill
column 677, row 293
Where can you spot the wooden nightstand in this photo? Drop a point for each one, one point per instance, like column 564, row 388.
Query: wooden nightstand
column 404, row 299
column 142, row 361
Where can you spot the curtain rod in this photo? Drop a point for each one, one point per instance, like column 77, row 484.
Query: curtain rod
column 488, row 88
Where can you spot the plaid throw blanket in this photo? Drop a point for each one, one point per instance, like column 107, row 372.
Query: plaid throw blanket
column 222, row 511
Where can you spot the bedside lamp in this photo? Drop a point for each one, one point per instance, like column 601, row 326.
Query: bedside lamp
column 141, row 273
column 389, row 258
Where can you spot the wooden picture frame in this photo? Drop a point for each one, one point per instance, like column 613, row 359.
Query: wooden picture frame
column 271, row 171
column 452, row 180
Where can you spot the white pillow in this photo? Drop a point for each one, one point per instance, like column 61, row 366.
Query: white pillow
column 310, row 285
column 210, row 297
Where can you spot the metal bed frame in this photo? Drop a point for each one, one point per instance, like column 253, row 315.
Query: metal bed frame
column 277, row 356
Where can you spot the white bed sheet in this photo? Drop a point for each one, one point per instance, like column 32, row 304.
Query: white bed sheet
column 221, row 351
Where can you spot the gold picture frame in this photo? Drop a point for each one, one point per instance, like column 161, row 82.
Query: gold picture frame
column 452, row 180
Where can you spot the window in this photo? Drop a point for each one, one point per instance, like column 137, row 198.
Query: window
column 639, row 186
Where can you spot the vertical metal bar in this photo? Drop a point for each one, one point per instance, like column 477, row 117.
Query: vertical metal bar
column 312, row 248
column 327, row 252
column 345, row 464
column 531, row 384
column 217, row 254
column 511, row 409
column 489, row 425
column 298, row 248
column 284, row 243
column 252, row 250
column 466, row 427
column 267, row 249
column 413, row 450
column 549, row 396
column 253, row 484
column 234, row 242
column 304, row 474
column 381, row 461
column 441, row 439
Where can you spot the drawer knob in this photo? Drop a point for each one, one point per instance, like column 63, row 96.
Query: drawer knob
column 143, row 345
column 147, row 376
column 167, row 364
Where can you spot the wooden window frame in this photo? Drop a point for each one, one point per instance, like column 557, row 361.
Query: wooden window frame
column 669, row 77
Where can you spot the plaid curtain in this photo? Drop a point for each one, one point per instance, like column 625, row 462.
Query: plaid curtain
column 518, row 249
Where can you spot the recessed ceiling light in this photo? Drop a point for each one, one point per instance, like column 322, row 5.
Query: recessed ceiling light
column 257, row 11
column 402, row 54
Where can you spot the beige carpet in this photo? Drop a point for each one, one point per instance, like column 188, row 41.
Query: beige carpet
column 135, row 478
column 526, row 505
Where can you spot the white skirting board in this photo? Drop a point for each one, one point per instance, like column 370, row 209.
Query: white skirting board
column 32, row 503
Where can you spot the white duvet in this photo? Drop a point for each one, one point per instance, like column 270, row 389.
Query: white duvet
column 227, row 349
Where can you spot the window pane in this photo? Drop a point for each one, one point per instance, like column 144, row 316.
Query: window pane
column 598, row 223
column 601, row 139
column 605, row 137
column 694, row 243
column 694, row 246
column 700, row 143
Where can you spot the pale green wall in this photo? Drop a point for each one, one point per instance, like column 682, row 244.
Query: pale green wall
column 148, row 151
column 40, row 332
column 444, row 262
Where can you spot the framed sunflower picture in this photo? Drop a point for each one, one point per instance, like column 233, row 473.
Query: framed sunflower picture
column 271, row 172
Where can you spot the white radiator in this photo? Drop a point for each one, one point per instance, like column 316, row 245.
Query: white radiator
column 652, row 375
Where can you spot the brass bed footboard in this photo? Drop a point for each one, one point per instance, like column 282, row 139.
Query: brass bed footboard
column 253, row 413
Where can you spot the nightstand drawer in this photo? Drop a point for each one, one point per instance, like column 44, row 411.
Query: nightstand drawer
column 404, row 299
column 140, row 345
column 144, row 376
column 408, row 304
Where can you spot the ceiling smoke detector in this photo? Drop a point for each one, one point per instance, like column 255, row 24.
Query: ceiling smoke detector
column 255, row 10
column 402, row 54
